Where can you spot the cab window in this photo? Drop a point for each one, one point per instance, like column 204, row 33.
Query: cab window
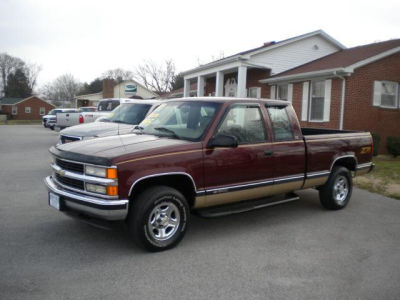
column 245, row 123
column 281, row 126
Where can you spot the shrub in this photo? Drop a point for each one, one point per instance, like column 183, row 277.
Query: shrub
column 377, row 143
column 393, row 145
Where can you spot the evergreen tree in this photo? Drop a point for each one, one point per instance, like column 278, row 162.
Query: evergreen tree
column 18, row 85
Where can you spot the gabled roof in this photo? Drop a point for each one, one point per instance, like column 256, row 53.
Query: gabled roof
column 345, row 60
column 10, row 100
column 266, row 47
column 13, row 100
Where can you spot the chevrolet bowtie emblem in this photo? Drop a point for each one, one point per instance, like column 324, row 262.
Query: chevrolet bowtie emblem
column 61, row 172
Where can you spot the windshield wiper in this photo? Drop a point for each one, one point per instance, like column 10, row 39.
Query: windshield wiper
column 168, row 131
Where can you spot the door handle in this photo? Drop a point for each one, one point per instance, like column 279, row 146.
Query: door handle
column 268, row 153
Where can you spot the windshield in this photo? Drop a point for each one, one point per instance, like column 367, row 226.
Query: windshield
column 182, row 120
column 129, row 113
column 53, row 112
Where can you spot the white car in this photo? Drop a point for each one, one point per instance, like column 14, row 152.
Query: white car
column 121, row 120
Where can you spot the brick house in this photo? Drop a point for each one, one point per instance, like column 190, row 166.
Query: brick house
column 239, row 75
column 354, row 89
column 31, row 108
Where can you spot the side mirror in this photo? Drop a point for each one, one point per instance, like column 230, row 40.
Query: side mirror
column 223, row 140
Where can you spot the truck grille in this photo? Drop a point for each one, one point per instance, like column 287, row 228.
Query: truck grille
column 70, row 166
column 74, row 183
column 68, row 139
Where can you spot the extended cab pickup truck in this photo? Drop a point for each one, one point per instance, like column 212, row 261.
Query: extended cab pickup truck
column 212, row 156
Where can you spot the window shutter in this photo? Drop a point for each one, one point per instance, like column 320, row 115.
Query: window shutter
column 273, row 87
column 327, row 99
column 290, row 93
column 377, row 93
column 304, row 106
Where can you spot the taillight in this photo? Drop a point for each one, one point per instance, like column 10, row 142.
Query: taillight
column 80, row 119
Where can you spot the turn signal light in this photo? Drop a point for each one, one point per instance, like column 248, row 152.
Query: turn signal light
column 112, row 190
column 112, row 173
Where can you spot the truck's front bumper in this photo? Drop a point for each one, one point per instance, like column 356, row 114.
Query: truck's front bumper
column 111, row 210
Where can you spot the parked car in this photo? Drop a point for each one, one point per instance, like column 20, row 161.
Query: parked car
column 121, row 121
column 205, row 155
column 49, row 120
column 88, row 115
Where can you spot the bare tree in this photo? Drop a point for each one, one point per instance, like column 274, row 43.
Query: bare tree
column 62, row 90
column 8, row 64
column 31, row 72
column 158, row 78
column 118, row 75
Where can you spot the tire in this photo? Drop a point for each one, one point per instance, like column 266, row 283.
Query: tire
column 336, row 192
column 153, row 215
column 51, row 127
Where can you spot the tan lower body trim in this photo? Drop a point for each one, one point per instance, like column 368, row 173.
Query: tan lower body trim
column 315, row 181
column 246, row 194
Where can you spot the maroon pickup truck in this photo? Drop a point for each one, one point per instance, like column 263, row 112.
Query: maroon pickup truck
column 210, row 156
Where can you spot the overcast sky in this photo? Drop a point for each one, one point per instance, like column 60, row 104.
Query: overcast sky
column 85, row 38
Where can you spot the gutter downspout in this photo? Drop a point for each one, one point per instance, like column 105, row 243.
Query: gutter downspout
column 342, row 100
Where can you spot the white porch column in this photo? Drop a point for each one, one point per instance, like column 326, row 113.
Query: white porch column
column 219, row 84
column 186, row 88
column 242, row 79
column 200, row 86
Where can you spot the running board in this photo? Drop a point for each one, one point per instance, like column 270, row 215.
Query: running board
column 243, row 206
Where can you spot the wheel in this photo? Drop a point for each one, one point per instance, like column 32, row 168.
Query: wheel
column 51, row 127
column 158, row 218
column 336, row 192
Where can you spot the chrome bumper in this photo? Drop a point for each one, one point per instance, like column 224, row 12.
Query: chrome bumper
column 364, row 168
column 100, row 208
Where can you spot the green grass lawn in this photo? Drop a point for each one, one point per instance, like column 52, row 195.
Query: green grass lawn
column 384, row 179
column 21, row 122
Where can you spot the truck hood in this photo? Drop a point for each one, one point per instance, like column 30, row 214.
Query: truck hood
column 97, row 129
column 103, row 150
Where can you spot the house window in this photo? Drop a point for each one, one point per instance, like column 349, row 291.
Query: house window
column 27, row 110
column 254, row 92
column 317, row 100
column 42, row 111
column 14, row 110
column 386, row 94
column 282, row 92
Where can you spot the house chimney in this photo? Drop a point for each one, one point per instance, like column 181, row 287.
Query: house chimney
column 108, row 88
column 270, row 43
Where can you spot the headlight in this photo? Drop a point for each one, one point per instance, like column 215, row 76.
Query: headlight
column 95, row 171
column 95, row 188
column 101, row 172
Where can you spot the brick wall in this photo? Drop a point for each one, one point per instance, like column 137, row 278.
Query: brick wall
column 34, row 103
column 359, row 113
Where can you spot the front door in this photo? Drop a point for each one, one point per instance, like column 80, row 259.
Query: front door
column 245, row 172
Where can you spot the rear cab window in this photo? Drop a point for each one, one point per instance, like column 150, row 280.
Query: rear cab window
column 280, row 122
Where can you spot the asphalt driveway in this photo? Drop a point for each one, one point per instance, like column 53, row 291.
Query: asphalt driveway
column 293, row 251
